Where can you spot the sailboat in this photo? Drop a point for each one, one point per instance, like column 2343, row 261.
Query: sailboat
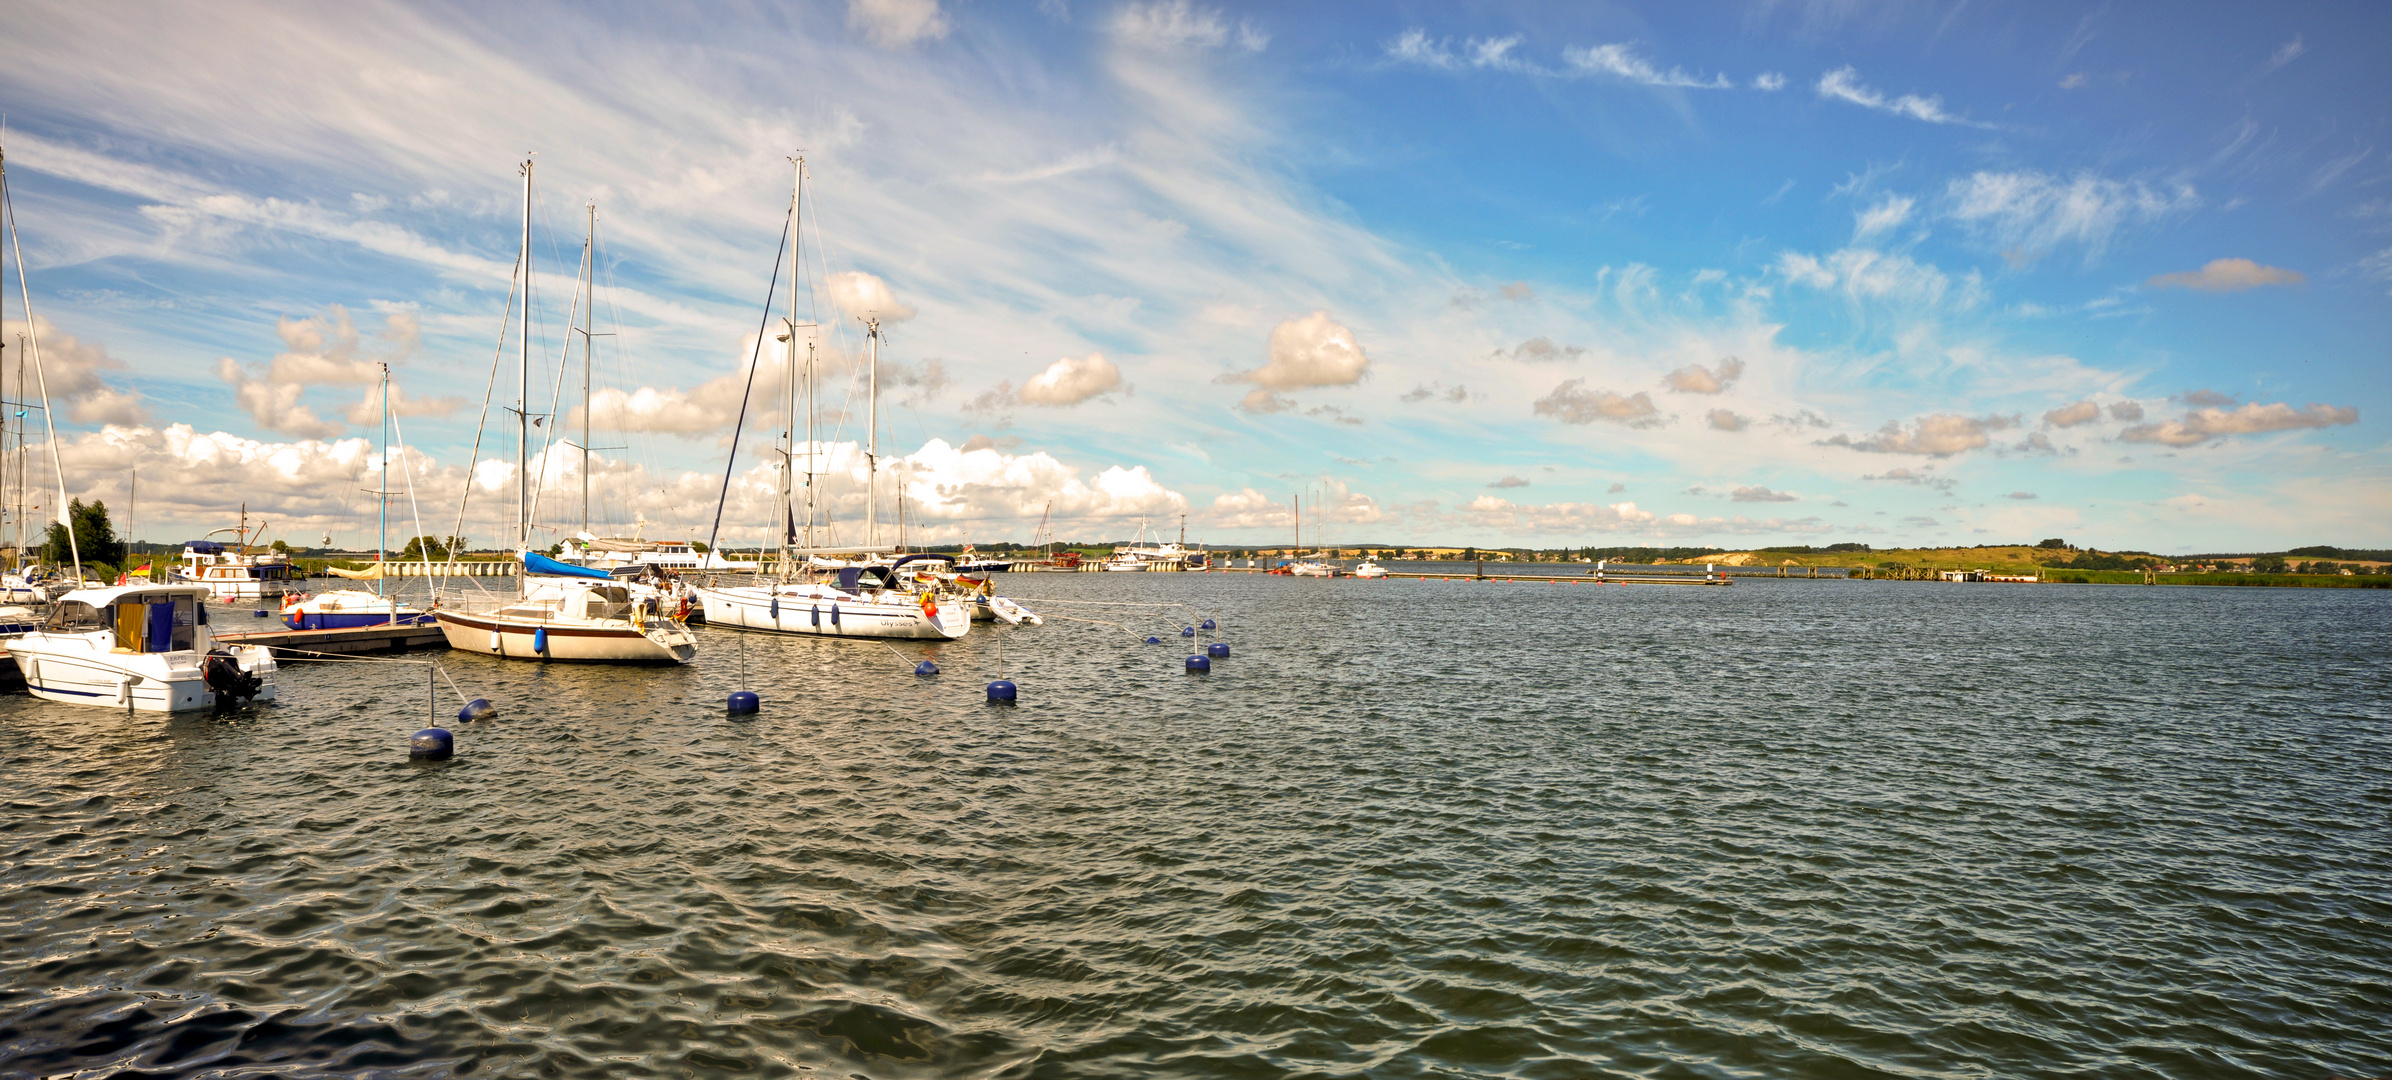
column 870, row 600
column 574, row 613
column 343, row 609
column 126, row 647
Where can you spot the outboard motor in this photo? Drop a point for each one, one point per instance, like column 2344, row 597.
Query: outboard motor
column 231, row 684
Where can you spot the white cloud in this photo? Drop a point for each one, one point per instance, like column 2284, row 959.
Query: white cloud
column 1940, row 435
column 1504, row 515
column 1542, row 350
column 1843, row 84
column 2126, row 410
column 1572, row 403
column 1070, row 381
column 2020, row 495
column 1865, row 274
column 2201, row 425
column 328, row 350
column 2227, row 275
column 2083, row 412
column 1315, row 350
column 2284, row 54
column 1889, row 214
column 893, row 24
column 2030, row 213
column 1697, row 379
column 1509, row 482
column 1769, row 82
column 860, row 294
column 1621, row 61
column 72, row 370
column 1723, row 420
column 1177, row 24
column 1759, row 494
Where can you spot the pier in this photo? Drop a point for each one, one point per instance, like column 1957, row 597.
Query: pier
column 359, row 639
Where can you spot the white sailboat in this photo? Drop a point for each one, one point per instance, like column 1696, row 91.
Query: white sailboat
column 849, row 600
column 131, row 647
column 579, row 614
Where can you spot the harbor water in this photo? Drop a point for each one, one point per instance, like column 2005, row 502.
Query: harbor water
column 1406, row 829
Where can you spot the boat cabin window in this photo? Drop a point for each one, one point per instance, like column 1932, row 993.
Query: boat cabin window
column 607, row 602
column 73, row 616
column 147, row 622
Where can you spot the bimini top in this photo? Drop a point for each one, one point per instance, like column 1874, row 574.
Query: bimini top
column 203, row 547
column 106, row 596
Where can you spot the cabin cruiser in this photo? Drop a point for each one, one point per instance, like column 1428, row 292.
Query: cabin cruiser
column 234, row 573
column 139, row 647
column 1369, row 568
column 1313, row 568
column 616, row 552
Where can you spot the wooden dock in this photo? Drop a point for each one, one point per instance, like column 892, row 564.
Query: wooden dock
column 1557, row 579
column 362, row 639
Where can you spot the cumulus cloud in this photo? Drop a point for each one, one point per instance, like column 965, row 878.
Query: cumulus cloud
column 1070, row 381
column 1315, row 350
column 947, row 484
column 2202, row 425
column 1622, row 62
column 1572, row 403
column 1940, row 435
column 1492, row 512
column 1759, row 494
column 1769, row 82
column 1723, row 420
column 1697, row 379
column 2126, row 410
column 860, row 294
column 1519, row 290
column 1509, row 482
column 2083, row 412
column 2030, row 213
column 893, row 24
column 1867, row 274
column 1543, row 350
column 2205, row 398
column 72, row 368
column 1914, row 476
column 1843, row 84
column 2020, row 495
column 1265, row 402
column 1888, row 214
column 326, row 350
column 711, row 406
column 2227, row 275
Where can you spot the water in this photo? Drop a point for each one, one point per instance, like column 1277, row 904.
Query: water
column 1407, row 829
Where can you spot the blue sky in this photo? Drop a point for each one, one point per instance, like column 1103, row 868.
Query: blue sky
column 1496, row 274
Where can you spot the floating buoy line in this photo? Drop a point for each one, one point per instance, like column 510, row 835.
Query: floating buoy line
column 433, row 743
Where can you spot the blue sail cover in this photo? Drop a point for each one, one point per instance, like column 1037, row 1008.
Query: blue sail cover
column 536, row 563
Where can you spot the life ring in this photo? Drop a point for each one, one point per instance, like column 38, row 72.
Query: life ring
column 930, row 607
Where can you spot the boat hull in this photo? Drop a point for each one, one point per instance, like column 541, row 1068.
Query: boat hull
column 753, row 609
column 566, row 642
column 93, row 679
column 351, row 620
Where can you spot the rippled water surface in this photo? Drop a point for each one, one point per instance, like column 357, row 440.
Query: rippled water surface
column 1406, row 829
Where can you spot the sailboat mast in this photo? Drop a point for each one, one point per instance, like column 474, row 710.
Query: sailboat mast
column 382, row 490
column 523, row 425
column 797, row 222
column 589, row 279
column 872, row 440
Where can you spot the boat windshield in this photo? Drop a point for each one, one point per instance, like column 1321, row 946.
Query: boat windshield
column 74, row 616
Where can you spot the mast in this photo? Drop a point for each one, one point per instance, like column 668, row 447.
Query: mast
column 382, row 496
column 41, row 378
column 589, row 278
column 523, row 427
column 872, row 440
column 797, row 197
column 1298, row 553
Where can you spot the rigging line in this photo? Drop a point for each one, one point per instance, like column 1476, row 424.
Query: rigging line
column 556, row 392
column 453, row 541
column 9, row 204
column 731, row 459
column 422, row 546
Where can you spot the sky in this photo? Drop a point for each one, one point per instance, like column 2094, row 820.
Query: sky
column 1534, row 275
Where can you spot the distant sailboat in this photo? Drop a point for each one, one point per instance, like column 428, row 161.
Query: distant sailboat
column 344, row 609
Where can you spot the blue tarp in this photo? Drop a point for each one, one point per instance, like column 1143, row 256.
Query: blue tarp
column 534, row 562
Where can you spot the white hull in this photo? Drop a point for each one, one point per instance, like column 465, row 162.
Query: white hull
column 93, row 664
column 242, row 588
column 823, row 612
column 604, row 641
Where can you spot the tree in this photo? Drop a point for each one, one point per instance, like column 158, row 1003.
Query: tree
column 95, row 538
column 2055, row 543
column 282, row 548
column 431, row 547
column 2268, row 564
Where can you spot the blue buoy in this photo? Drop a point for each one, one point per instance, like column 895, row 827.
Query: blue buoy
column 260, row 613
column 540, row 639
column 1198, row 665
column 477, row 709
column 743, row 702
column 817, row 614
column 432, row 744
column 1218, row 650
column 1153, row 640
column 1001, row 692
column 834, row 614
column 1187, row 631
column 776, row 610
column 926, row 668
column 1207, row 625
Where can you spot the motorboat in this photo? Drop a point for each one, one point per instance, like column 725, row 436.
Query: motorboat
column 345, row 609
column 857, row 601
column 27, row 586
column 1313, row 568
column 17, row 619
column 1369, row 568
column 144, row 647
column 574, row 614
column 232, row 572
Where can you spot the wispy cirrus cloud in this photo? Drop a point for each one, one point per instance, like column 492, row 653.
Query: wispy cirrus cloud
column 1615, row 60
column 2028, row 213
column 1843, row 84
